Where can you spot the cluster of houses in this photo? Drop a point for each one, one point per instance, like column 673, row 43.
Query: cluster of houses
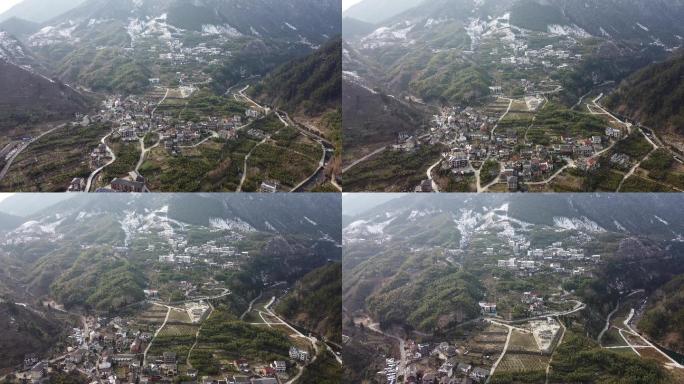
column 177, row 54
column 453, row 369
column 471, row 138
column 549, row 57
column 113, row 352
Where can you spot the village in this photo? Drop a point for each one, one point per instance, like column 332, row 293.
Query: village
column 498, row 143
column 504, row 157
column 154, row 342
column 136, row 120
column 515, row 331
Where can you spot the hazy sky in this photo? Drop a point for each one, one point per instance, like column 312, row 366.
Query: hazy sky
column 345, row 3
column 7, row 4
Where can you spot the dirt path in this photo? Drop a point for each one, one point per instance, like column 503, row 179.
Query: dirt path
column 361, row 160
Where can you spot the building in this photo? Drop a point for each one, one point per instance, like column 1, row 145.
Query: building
column 299, row 354
column 124, row 185
column 279, row 366
column 425, row 186
column 270, row 186
column 265, row 380
column 169, row 358
column 479, row 374
column 487, row 309
column 512, row 183
column 78, row 184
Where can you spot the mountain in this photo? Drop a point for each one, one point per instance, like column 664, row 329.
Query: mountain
column 312, row 215
column 310, row 85
column 27, row 204
column 654, row 96
column 28, row 97
column 432, row 50
column 663, row 319
column 103, row 44
column 262, row 18
column 315, row 303
column 99, row 252
column 14, row 51
column 375, row 11
column 373, row 119
column 353, row 28
column 9, row 222
column 24, row 332
column 394, row 264
column 19, row 27
column 638, row 214
column 39, row 11
column 651, row 22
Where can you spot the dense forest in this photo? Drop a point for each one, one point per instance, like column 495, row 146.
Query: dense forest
column 664, row 318
column 654, row 96
column 316, row 302
column 311, row 85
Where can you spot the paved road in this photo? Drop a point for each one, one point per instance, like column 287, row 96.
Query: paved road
column 435, row 186
column 95, row 172
column 23, row 147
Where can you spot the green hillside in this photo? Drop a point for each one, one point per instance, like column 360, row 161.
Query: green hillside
column 664, row 317
column 437, row 298
column 310, row 85
column 100, row 280
column 316, row 302
column 654, row 96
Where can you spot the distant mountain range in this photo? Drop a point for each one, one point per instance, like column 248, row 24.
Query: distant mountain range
column 39, row 11
column 375, row 11
column 632, row 214
column 313, row 215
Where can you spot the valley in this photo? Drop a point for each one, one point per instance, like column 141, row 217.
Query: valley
column 508, row 289
column 510, row 96
column 167, row 293
column 165, row 99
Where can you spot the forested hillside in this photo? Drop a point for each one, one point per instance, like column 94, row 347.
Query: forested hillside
column 654, row 96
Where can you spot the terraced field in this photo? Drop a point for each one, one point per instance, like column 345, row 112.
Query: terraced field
column 519, row 362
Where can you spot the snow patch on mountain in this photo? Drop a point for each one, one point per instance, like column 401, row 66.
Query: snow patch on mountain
column 292, row 27
column 236, row 224
column 466, row 224
column 354, row 78
column 619, row 226
column 416, row 214
column 10, row 49
column 55, row 34
column 642, row 26
column 363, row 229
column 392, row 35
column 225, row 30
column 661, row 220
column 138, row 28
column 568, row 30
column 156, row 221
column 577, row 224
column 310, row 221
column 34, row 227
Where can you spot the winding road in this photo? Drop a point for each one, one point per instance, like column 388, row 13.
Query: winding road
column 361, row 160
column 110, row 162
column 23, row 147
